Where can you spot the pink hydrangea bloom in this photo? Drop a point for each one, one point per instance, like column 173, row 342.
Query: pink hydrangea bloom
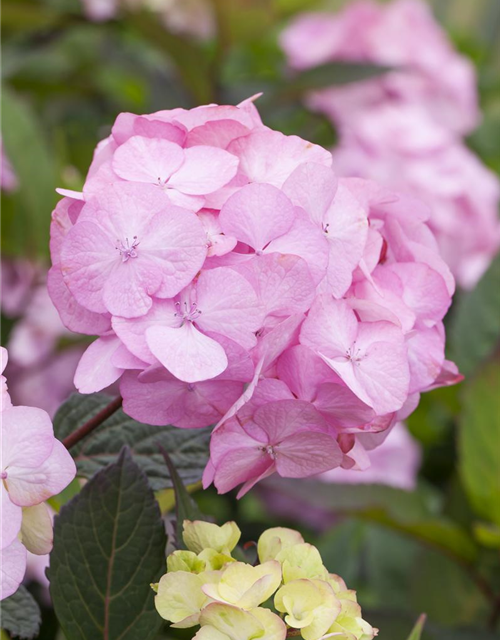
column 35, row 466
column 403, row 129
column 402, row 34
column 299, row 313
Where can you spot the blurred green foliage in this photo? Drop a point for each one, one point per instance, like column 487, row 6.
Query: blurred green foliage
column 64, row 80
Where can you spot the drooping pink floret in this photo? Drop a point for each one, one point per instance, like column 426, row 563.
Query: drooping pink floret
column 404, row 128
column 34, row 467
column 299, row 313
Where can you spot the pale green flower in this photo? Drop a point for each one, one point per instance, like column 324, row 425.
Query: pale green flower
column 272, row 541
column 199, row 535
column 309, row 605
column 224, row 622
column 301, row 561
column 244, row 586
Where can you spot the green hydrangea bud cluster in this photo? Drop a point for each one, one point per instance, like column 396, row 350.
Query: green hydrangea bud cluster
column 288, row 594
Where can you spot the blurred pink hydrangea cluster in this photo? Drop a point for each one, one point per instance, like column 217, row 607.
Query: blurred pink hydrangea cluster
column 234, row 280
column 34, row 467
column 192, row 17
column 404, row 128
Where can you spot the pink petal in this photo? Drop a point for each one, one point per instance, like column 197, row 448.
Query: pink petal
column 346, row 226
column 128, row 288
column 132, row 331
column 257, row 214
column 342, row 408
column 88, row 257
column 283, row 418
column 306, row 240
column 122, row 358
column 176, row 242
column 95, row 370
column 186, row 352
column 271, row 157
column 150, row 160
column 73, row 315
column 241, row 465
column 129, row 124
column 305, row 454
column 217, row 133
column 303, row 371
column 282, row 282
column 425, row 357
column 205, row 170
column 312, row 187
column 12, row 568
column 228, row 305
column 11, row 518
column 330, row 328
column 240, row 365
column 30, row 486
column 27, row 438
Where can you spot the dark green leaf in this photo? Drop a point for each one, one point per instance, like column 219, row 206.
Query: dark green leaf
column 408, row 512
column 20, row 614
column 185, row 507
column 475, row 330
column 416, row 633
column 33, row 163
column 109, row 546
column 188, row 448
column 333, row 74
column 479, row 443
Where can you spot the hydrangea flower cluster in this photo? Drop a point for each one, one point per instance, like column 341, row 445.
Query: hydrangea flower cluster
column 234, row 280
column 404, row 129
column 206, row 586
column 34, row 467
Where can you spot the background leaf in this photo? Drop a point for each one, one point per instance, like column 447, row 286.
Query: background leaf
column 20, row 614
column 416, row 633
column 26, row 226
column 479, row 443
column 188, row 448
column 475, row 330
column 109, row 546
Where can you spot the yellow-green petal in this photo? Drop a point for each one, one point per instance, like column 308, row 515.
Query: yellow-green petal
column 180, row 599
column 274, row 540
column 301, row 561
column 199, row 535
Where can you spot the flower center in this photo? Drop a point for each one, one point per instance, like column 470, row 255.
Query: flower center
column 324, row 227
column 188, row 313
column 126, row 249
column 354, row 355
column 3, row 475
column 269, row 450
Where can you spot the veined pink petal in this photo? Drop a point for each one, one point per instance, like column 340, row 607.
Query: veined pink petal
column 27, row 438
column 283, row 283
column 257, row 214
column 28, row 486
column 186, row 352
column 306, row 240
column 271, row 157
column 228, row 305
column 240, row 465
column 303, row 371
column 346, row 229
column 12, row 568
column 11, row 518
column 132, row 331
column 283, row 418
column 425, row 357
column 128, row 288
column 122, row 358
column 149, row 160
column 307, row 453
column 312, row 187
column 95, row 370
column 216, row 133
column 205, row 169
column 330, row 329
column 342, row 408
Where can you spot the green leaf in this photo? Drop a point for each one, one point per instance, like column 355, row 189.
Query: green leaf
column 27, row 223
column 479, row 443
column 333, row 74
column 109, row 546
column 185, row 507
column 20, row 614
column 475, row 330
column 188, row 448
column 416, row 633
column 407, row 512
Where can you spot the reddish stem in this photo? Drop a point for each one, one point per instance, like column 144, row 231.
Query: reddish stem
column 92, row 424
